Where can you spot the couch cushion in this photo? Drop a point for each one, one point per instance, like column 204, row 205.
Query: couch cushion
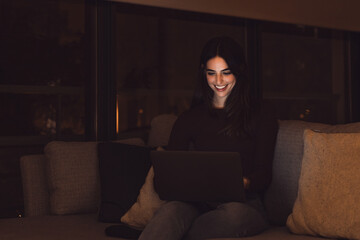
column 148, row 202
column 72, row 177
column 282, row 192
column 160, row 130
column 123, row 169
column 329, row 193
column 72, row 170
column 35, row 189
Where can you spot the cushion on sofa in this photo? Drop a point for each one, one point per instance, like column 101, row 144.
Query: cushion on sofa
column 148, row 202
column 160, row 130
column 72, row 177
column 282, row 192
column 35, row 189
column 329, row 192
column 72, row 172
column 123, row 169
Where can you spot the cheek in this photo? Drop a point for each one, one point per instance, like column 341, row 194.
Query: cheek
column 232, row 80
column 209, row 80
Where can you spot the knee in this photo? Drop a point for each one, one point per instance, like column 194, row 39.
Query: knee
column 175, row 208
column 245, row 217
column 240, row 209
column 236, row 210
column 171, row 221
column 233, row 206
column 228, row 220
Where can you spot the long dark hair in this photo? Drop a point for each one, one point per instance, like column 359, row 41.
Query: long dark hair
column 238, row 104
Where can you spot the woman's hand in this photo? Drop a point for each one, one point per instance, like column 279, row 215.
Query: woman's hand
column 246, row 183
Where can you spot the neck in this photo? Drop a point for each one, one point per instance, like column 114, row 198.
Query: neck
column 218, row 103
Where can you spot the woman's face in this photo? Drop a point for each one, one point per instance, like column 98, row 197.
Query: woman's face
column 220, row 79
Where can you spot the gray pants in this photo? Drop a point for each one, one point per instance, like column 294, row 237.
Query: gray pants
column 179, row 220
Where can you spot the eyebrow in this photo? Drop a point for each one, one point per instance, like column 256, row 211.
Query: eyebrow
column 210, row 70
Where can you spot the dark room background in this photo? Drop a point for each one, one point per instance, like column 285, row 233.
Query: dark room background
column 95, row 70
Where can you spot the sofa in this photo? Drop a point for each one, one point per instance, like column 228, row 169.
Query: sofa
column 80, row 220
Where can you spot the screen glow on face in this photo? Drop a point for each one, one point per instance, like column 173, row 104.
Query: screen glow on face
column 220, row 79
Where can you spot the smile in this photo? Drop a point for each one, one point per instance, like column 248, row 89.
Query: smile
column 221, row 88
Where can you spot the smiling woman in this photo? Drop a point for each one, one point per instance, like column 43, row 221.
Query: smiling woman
column 223, row 118
column 225, row 84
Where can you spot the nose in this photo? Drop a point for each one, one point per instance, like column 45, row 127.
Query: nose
column 219, row 79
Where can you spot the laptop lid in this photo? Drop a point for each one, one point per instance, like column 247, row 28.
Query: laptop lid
column 198, row 176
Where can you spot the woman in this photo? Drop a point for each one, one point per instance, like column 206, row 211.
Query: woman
column 223, row 117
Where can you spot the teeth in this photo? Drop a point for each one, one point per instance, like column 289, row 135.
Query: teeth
column 220, row 87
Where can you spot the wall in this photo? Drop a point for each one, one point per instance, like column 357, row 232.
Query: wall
column 336, row 14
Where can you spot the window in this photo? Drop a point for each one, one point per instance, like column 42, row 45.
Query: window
column 42, row 80
column 303, row 72
column 42, row 71
column 157, row 59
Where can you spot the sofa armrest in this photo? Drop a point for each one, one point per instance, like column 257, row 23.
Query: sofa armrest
column 36, row 195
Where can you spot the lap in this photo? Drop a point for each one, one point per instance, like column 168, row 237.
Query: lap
column 171, row 221
column 232, row 219
column 176, row 208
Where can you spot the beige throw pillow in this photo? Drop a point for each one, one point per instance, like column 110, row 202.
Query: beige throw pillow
column 329, row 187
column 146, row 205
column 148, row 202
column 282, row 192
column 73, row 179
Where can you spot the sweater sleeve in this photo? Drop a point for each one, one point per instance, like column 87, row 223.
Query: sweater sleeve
column 265, row 135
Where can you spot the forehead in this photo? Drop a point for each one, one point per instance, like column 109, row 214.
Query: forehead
column 216, row 63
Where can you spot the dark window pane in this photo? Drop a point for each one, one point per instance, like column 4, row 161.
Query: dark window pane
column 38, row 115
column 42, row 43
column 72, row 120
column 312, row 110
column 42, row 68
column 296, row 64
column 157, row 60
column 302, row 69
column 28, row 115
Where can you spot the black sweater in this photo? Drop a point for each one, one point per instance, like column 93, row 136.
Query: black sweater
column 197, row 129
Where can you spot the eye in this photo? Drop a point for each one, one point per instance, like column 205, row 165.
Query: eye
column 210, row 73
column 227, row 72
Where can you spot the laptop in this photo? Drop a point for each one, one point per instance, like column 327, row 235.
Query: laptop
column 197, row 176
